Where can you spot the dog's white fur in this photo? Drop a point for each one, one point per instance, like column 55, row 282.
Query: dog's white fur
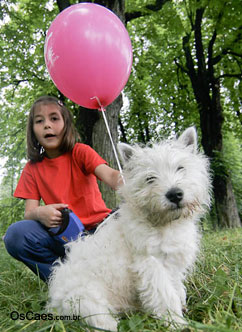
column 139, row 258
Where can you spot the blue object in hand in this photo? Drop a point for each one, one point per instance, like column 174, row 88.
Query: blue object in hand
column 70, row 228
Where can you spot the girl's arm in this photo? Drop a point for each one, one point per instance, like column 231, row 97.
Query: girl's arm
column 48, row 215
column 109, row 176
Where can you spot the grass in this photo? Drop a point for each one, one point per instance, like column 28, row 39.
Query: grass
column 214, row 293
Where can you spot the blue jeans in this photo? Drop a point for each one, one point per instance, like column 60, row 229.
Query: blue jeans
column 29, row 242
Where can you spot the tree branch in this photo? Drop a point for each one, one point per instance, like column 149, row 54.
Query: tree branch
column 154, row 8
column 228, row 50
column 17, row 82
column 63, row 4
column 234, row 53
column 157, row 6
column 198, row 41
column 189, row 61
column 210, row 47
column 239, row 76
column 131, row 16
column 210, row 57
column 189, row 14
column 183, row 69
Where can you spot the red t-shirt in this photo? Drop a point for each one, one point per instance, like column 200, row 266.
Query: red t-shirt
column 67, row 179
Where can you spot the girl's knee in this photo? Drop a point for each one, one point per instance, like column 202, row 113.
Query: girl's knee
column 13, row 239
column 16, row 236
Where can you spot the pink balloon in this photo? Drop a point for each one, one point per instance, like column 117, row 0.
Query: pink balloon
column 88, row 54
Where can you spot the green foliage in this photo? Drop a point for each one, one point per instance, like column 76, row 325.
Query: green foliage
column 23, row 78
column 160, row 95
column 214, row 293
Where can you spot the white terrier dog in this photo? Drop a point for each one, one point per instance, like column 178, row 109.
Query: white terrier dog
column 139, row 258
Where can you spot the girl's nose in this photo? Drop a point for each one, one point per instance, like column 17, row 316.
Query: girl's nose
column 47, row 124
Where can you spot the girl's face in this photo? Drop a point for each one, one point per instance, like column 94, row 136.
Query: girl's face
column 48, row 127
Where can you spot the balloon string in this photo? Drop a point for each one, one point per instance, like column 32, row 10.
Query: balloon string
column 102, row 109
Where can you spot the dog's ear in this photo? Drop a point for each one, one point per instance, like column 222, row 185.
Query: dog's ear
column 125, row 151
column 189, row 138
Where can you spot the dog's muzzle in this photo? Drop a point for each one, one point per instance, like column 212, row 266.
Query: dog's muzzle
column 175, row 196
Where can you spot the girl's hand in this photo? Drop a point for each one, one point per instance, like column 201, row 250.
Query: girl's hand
column 49, row 215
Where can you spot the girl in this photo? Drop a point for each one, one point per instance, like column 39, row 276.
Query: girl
column 63, row 174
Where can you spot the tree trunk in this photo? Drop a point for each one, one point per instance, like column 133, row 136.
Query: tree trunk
column 211, row 120
column 92, row 129
column 206, row 90
column 225, row 204
column 102, row 144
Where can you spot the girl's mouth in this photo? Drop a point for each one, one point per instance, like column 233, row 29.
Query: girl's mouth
column 49, row 136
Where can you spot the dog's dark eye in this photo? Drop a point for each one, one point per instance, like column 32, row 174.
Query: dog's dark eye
column 150, row 179
column 180, row 168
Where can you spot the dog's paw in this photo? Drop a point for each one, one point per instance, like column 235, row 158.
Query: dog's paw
column 177, row 321
column 173, row 321
column 105, row 322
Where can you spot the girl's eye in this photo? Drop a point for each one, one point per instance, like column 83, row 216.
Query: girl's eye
column 150, row 179
column 55, row 119
column 38, row 121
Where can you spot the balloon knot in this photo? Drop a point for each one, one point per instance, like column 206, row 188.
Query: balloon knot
column 101, row 108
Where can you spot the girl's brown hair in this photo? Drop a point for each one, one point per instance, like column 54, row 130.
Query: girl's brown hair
column 35, row 151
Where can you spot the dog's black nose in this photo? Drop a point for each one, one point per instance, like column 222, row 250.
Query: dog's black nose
column 175, row 195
